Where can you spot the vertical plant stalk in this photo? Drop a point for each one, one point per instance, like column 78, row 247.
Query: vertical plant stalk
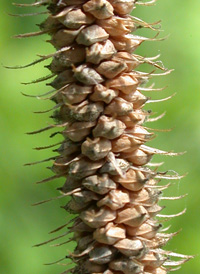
column 98, row 91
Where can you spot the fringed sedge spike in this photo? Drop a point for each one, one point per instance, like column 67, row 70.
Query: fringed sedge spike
column 103, row 157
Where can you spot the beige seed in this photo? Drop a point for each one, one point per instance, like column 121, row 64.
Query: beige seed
column 111, row 69
column 100, row 51
column 137, row 98
column 123, row 7
column 101, row 9
column 145, row 196
column 127, row 266
column 110, row 234
column 74, row 93
column 91, row 35
column 74, row 18
column 102, row 254
column 132, row 216
column 96, row 149
column 133, row 180
column 125, row 143
column 84, row 167
column 153, row 260
column 92, row 267
column 101, row 93
column 78, row 130
column 140, row 132
column 68, row 147
column 99, row 184
column 134, row 118
column 113, row 169
column 84, row 241
column 70, row 184
column 123, row 56
column 138, row 157
column 125, row 83
column 115, row 199
column 64, row 37
column 117, row 26
column 86, row 111
column 127, row 42
column 95, row 217
column 64, row 78
column 145, row 230
column 74, row 55
column 118, row 107
column 87, row 75
column 130, row 248
column 154, row 210
column 108, row 127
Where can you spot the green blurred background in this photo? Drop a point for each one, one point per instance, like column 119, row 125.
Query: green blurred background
column 22, row 226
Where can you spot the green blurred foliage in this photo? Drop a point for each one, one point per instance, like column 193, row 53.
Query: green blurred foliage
column 22, row 226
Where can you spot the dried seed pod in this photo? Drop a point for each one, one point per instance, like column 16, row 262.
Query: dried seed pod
column 101, row 9
column 84, row 241
column 77, row 131
column 127, row 266
column 140, row 132
column 68, row 147
column 96, row 149
column 64, row 37
column 125, row 143
column 117, row 26
column 74, row 18
column 138, row 157
column 130, row 61
column 136, row 98
column 95, row 217
column 86, row 111
column 91, row 35
column 134, row 118
column 153, row 260
column 51, row 24
column 133, row 180
column 108, row 127
column 101, row 93
column 132, row 216
column 115, row 199
column 64, row 78
column 71, row 183
column 73, row 94
column 110, row 167
column 84, row 167
column 111, row 69
column 110, row 234
column 102, row 254
column 118, row 107
column 127, row 42
column 125, row 83
column 146, row 196
column 87, row 76
column 99, row 184
column 93, row 267
column 74, row 55
column 100, row 51
column 130, row 248
column 146, row 230
column 123, row 7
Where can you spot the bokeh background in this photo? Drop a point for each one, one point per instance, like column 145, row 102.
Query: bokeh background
column 23, row 225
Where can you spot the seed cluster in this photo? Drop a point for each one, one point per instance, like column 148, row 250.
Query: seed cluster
column 99, row 101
